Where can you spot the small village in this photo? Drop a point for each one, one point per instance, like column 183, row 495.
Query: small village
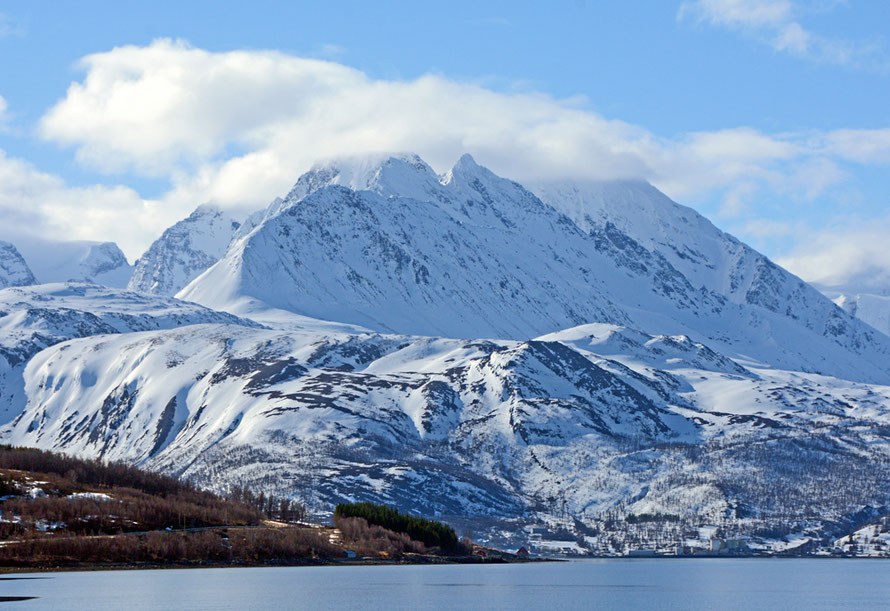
column 555, row 540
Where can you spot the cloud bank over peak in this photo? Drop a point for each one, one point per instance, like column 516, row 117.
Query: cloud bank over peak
column 154, row 109
column 237, row 128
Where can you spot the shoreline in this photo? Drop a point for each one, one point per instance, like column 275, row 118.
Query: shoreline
column 427, row 561
column 319, row 562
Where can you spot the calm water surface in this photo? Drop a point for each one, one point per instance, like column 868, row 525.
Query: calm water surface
column 606, row 584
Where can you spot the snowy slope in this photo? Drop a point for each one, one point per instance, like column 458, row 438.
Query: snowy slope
column 580, row 423
column 393, row 247
column 701, row 252
column 183, row 251
column 253, row 220
column 706, row 256
column 77, row 261
column 871, row 309
column 225, row 391
column 13, row 269
column 34, row 317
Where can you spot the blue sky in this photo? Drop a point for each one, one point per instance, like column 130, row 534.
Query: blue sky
column 770, row 117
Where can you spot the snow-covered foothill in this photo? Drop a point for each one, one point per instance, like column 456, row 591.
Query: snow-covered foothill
column 37, row 316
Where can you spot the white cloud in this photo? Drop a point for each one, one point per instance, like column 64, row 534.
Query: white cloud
column 860, row 145
column 792, row 37
column 167, row 106
column 330, row 51
column 776, row 23
column 764, row 228
column 851, row 258
column 737, row 199
column 747, row 13
column 4, row 118
column 153, row 107
column 172, row 110
column 237, row 128
column 33, row 203
column 809, row 179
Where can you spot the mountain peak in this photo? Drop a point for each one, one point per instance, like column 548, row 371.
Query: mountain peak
column 483, row 256
column 466, row 161
column 102, row 258
column 206, row 209
column 387, row 174
column 465, row 166
column 13, row 269
column 184, row 251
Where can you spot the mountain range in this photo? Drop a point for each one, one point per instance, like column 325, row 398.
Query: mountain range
column 580, row 355
column 74, row 261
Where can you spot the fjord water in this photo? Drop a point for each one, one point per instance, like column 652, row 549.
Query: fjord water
column 607, row 584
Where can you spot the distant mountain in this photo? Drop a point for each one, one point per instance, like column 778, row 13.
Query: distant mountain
column 871, row 309
column 76, row 261
column 183, row 251
column 13, row 269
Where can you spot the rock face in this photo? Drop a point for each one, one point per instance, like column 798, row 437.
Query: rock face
column 632, row 373
column 183, row 252
column 13, row 269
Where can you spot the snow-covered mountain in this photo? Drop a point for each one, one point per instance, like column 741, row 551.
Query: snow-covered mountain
column 35, row 317
column 871, row 309
column 585, row 425
column 393, row 247
column 183, row 251
column 14, row 271
column 75, row 261
column 375, row 409
column 627, row 363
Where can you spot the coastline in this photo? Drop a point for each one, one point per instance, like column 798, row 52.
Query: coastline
column 424, row 560
column 7, row 573
column 309, row 562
